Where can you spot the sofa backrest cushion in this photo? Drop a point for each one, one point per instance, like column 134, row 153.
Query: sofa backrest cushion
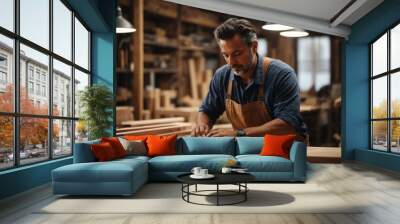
column 83, row 153
column 249, row 145
column 206, row 145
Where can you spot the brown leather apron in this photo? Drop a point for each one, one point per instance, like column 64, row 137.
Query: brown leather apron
column 253, row 113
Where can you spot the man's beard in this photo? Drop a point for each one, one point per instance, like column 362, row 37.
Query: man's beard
column 243, row 69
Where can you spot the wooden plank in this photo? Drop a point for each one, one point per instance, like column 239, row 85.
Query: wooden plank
column 324, row 154
column 142, row 127
column 155, row 130
column 154, row 121
column 193, row 79
column 189, row 113
column 138, row 55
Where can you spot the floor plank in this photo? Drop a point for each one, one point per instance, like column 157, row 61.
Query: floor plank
column 377, row 190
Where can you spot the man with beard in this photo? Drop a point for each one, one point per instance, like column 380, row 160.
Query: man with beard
column 260, row 95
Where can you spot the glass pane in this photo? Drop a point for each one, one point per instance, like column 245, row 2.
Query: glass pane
column 81, row 45
column 379, row 55
column 62, row 138
column 379, row 97
column 62, row 29
column 6, row 74
column 35, row 21
column 81, row 132
column 7, row 14
column 6, row 142
column 81, row 81
column 395, row 129
column 395, row 94
column 395, row 47
column 33, row 139
column 34, row 92
column 62, row 89
column 379, row 135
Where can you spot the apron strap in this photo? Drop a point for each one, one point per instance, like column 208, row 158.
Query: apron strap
column 266, row 63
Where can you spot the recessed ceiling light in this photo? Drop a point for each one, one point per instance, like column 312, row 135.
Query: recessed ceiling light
column 276, row 27
column 294, row 33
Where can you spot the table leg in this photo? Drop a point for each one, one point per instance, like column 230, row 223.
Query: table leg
column 217, row 194
column 196, row 188
column 245, row 191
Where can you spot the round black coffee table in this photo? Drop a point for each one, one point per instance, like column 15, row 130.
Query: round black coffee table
column 238, row 179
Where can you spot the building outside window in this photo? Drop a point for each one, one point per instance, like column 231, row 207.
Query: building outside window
column 384, row 91
column 57, row 128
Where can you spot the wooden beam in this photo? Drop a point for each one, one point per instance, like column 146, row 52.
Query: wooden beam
column 154, row 121
column 138, row 56
column 151, row 126
column 154, row 131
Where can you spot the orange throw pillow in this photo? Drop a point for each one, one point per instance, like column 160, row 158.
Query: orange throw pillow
column 116, row 145
column 277, row 145
column 103, row 152
column 161, row 145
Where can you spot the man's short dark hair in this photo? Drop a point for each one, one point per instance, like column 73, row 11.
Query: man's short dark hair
column 234, row 26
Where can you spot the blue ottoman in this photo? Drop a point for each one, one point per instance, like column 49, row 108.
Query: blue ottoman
column 118, row 177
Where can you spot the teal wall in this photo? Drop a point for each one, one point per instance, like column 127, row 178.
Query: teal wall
column 99, row 15
column 355, row 128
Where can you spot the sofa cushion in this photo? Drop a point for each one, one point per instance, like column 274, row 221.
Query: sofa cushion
column 112, row 171
column 185, row 163
column 257, row 163
column 116, row 145
column 249, row 145
column 206, row 145
column 277, row 145
column 134, row 147
column 83, row 152
column 161, row 145
column 103, row 151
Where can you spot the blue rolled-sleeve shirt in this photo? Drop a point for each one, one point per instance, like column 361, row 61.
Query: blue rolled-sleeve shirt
column 281, row 92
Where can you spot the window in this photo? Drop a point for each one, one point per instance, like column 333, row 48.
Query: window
column 30, row 72
column 46, row 129
column 314, row 58
column 3, row 72
column 385, row 97
column 30, row 87
column 3, row 78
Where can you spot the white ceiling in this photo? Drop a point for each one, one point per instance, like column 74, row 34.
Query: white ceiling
column 313, row 15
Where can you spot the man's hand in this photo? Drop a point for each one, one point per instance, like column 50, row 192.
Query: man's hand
column 200, row 129
column 221, row 132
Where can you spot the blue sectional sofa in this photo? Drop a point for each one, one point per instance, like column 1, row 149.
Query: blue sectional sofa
column 125, row 176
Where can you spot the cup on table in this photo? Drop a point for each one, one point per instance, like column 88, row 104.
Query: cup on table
column 203, row 172
column 226, row 170
column 196, row 171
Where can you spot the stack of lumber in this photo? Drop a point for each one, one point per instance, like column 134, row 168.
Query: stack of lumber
column 124, row 113
column 162, row 126
column 200, row 79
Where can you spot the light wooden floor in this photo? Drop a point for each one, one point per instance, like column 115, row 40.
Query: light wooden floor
column 379, row 189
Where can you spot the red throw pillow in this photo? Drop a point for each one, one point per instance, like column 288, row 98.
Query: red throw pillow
column 277, row 145
column 161, row 145
column 103, row 151
column 116, row 145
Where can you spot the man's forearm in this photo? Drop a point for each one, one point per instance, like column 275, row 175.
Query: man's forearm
column 276, row 126
column 202, row 118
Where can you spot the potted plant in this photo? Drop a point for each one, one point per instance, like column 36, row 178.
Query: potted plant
column 96, row 103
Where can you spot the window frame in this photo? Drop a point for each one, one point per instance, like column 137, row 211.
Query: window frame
column 388, row 74
column 16, row 114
